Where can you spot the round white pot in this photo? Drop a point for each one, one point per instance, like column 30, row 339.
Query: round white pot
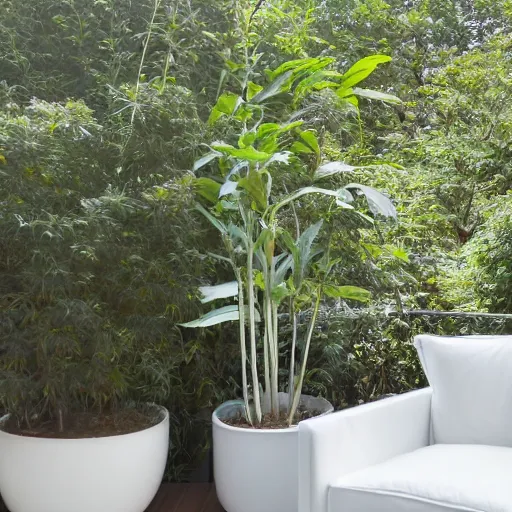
column 105, row 474
column 256, row 470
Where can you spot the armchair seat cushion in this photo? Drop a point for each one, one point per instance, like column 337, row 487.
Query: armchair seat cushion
column 438, row 478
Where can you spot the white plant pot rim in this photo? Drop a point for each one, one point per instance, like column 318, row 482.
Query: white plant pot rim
column 84, row 440
column 262, row 431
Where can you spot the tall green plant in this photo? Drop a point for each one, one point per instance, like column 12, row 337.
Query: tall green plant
column 274, row 268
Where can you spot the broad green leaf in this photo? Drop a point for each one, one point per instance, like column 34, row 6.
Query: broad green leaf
column 297, row 65
column 236, row 234
column 282, row 264
column 378, row 202
column 205, row 160
column 310, row 140
column 398, row 253
column 254, row 184
column 374, row 250
column 331, row 168
column 228, row 103
column 253, row 89
column 316, row 81
column 362, row 69
column 282, row 157
column 215, row 115
column 280, row 292
column 221, row 315
column 340, row 195
column 282, row 84
column 376, row 95
column 228, row 188
column 215, row 222
column 208, row 188
column 219, row 291
column 299, row 147
column 217, row 316
column 247, row 139
column 249, row 153
column 347, row 292
column 305, row 242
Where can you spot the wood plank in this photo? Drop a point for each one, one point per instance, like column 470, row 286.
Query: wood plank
column 197, row 497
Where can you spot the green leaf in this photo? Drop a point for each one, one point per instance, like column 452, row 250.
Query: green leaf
column 316, row 81
column 249, row 153
column 208, row 188
column 228, row 103
column 300, row 65
column 347, row 292
column 236, row 234
column 215, row 222
column 219, row 291
column 228, row 188
column 311, row 141
column 205, row 160
column 340, row 195
column 253, row 89
column 331, row 168
column 299, row 147
column 217, row 316
column 362, row 69
column 247, row 139
column 376, row 95
column 377, row 202
column 280, row 292
column 398, row 253
column 305, row 242
column 278, row 86
column 254, row 184
column 215, row 115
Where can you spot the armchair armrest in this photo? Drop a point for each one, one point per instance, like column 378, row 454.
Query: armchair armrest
column 343, row 442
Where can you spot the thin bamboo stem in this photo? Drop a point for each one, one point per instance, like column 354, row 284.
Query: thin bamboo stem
column 243, row 349
column 252, row 328
column 298, row 388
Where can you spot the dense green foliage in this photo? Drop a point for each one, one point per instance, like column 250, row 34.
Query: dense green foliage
column 104, row 108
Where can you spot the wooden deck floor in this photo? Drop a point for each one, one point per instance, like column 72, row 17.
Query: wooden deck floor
column 179, row 498
column 186, row 498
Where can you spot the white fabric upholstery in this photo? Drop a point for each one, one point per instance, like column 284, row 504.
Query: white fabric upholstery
column 471, row 379
column 347, row 441
column 439, row 478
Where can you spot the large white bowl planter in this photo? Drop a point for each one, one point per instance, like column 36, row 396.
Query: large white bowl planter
column 105, row 474
column 256, row 470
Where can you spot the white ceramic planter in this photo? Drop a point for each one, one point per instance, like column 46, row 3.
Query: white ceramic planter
column 256, row 470
column 105, row 474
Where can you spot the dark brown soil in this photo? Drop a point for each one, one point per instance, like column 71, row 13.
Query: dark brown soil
column 87, row 425
column 269, row 421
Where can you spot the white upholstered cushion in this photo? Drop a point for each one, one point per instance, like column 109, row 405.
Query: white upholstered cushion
column 471, row 379
column 439, row 478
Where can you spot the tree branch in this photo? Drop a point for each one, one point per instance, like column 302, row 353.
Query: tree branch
column 259, row 5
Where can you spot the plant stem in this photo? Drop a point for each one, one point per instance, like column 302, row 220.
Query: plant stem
column 243, row 351
column 274, row 391
column 268, row 392
column 252, row 324
column 276, row 356
column 143, row 58
column 291, row 383
column 298, row 389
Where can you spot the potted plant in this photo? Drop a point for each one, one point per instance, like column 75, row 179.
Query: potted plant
column 71, row 440
column 279, row 268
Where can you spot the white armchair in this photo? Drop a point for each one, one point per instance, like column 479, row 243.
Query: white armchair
column 345, row 442
column 441, row 449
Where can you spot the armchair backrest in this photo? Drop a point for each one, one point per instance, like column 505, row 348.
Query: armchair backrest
column 471, row 380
